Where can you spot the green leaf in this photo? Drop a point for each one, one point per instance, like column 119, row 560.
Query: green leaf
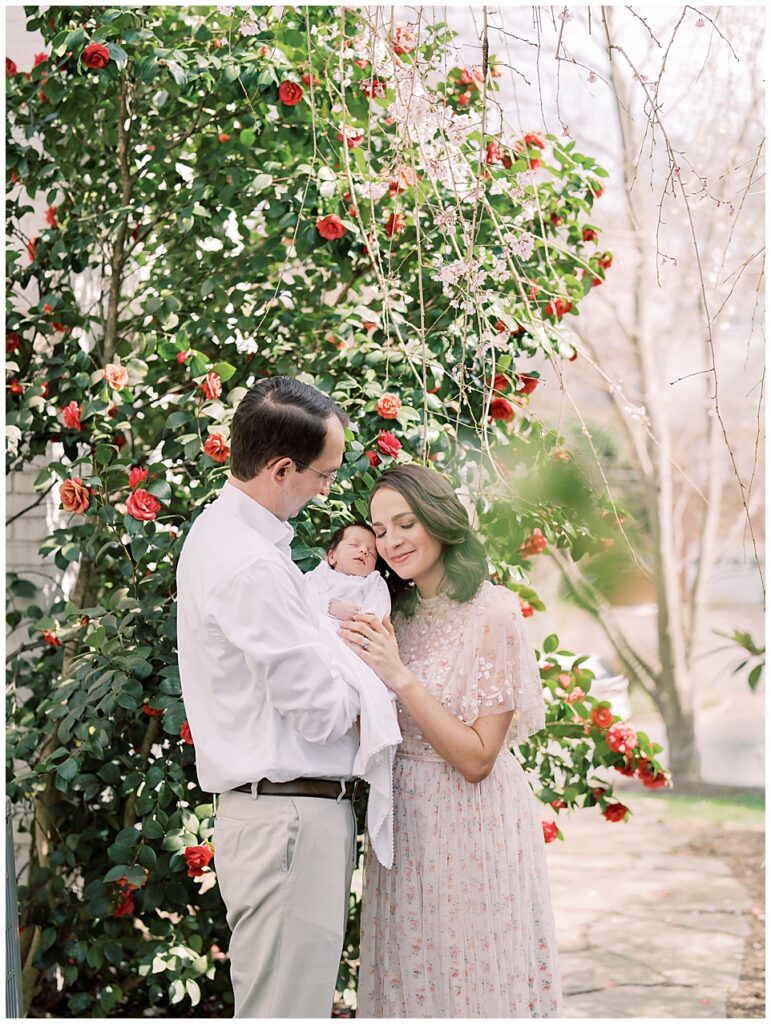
column 177, row 73
column 176, row 991
column 47, row 938
column 117, row 53
column 225, row 370
column 193, row 991
column 68, row 769
column 551, row 643
column 754, row 676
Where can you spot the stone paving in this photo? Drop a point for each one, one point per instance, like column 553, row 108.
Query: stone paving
column 644, row 930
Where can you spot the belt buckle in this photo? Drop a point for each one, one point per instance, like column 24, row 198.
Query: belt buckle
column 341, row 795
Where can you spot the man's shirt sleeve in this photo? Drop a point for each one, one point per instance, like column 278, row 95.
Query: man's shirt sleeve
column 263, row 612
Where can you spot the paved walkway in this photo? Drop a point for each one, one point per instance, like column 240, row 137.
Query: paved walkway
column 644, row 930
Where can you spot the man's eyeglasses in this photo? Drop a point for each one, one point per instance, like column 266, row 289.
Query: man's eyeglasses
column 329, row 477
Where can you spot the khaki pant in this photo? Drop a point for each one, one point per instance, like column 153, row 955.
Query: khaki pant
column 284, row 867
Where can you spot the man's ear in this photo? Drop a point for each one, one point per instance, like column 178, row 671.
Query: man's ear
column 280, row 469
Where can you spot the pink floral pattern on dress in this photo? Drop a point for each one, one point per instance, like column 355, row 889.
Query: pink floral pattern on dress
column 462, row 925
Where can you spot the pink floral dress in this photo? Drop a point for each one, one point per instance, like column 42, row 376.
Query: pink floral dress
column 462, row 925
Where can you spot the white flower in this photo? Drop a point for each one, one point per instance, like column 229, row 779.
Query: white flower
column 249, row 27
column 225, row 9
column 371, row 189
column 447, row 219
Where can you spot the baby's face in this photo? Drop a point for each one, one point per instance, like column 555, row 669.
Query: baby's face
column 356, row 553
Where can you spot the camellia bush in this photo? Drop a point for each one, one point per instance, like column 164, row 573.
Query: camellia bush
column 232, row 194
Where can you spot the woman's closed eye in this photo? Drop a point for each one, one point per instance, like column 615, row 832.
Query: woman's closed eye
column 404, row 526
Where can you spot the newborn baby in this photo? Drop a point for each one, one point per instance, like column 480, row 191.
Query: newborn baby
column 345, row 583
column 348, row 581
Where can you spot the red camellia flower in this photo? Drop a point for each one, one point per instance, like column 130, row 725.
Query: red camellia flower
column 621, row 738
column 307, row 79
column 51, row 216
column 330, row 227
column 147, row 710
column 402, row 40
column 463, row 99
column 216, row 448
column 353, row 137
column 39, row 58
column 12, row 342
column 605, row 260
column 96, row 55
column 290, row 93
column 48, row 308
column 615, row 812
column 527, row 383
column 495, row 152
column 223, row 137
column 142, row 505
column 534, row 544
column 137, row 475
column 10, row 68
column 373, row 88
column 500, row 382
column 125, row 906
column 182, row 357
column 51, row 638
column 559, row 308
column 526, row 608
column 402, row 179
column 32, row 249
column 646, row 776
column 500, row 409
column 388, row 443
column 550, row 831
column 75, row 496
column 395, row 224
column 602, row 717
column 184, row 732
column 374, row 459
column 71, row 415
column 212, row 385
column 628, row 768
column 388, row 406
column 589, row 235
column 197, row 859
column 473, row 77
column 535, row 139
column 116, row 376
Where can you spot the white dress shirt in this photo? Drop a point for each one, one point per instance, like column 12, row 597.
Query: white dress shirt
column 264, row 697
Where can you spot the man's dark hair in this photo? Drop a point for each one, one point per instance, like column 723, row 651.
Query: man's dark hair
column 279, row 417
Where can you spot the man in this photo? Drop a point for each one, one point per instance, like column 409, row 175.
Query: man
column 270, row 715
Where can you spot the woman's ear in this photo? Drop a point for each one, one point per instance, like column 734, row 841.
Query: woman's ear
column 331, row 558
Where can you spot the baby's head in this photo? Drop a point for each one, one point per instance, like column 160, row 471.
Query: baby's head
column 352, row 550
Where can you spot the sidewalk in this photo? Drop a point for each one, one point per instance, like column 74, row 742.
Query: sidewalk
column 646, row 928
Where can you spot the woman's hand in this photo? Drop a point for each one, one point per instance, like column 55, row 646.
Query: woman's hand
column 380, row 650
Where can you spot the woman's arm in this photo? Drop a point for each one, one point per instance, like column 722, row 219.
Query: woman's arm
column 472, row 749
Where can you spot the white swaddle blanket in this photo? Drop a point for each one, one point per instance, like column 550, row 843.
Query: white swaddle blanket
column 379, row 728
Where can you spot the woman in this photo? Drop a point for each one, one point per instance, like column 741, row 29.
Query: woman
column 461, row 926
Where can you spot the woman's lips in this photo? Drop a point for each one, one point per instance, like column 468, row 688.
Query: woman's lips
column 398, row 559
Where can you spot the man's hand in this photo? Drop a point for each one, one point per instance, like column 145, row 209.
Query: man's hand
column 342, row 610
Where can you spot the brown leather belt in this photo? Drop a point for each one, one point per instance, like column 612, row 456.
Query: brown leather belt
column 327, row 789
